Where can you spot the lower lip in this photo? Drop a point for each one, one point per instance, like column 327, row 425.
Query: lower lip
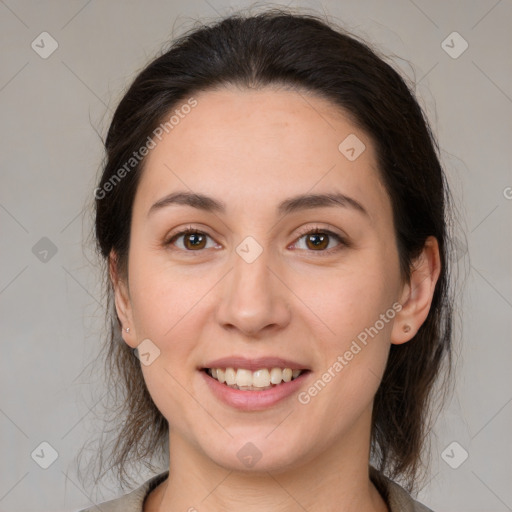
column 254, row 400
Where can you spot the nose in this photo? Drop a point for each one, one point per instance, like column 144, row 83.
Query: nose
column 254, row 298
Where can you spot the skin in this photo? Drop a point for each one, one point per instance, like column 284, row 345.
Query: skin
column 253, row 149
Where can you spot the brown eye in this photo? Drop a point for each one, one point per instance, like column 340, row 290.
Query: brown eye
column 317, row 240
column 320, row 240
column 192, row 240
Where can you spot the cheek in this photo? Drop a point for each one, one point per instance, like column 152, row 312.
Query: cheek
column 356, row 313
column 170, row 308
column 161, row 297
column 165, row 308
column 351, row 299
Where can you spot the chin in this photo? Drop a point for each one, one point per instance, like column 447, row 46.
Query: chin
column 256, row 454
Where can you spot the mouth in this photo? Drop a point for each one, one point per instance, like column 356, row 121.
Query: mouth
column 261, row 379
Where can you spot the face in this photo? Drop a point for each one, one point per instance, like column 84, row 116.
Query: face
column 309, row 284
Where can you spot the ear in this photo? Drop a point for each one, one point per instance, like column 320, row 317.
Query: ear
column 122, row 301
column 417, row 294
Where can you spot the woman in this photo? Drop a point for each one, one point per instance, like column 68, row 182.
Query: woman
column 272, row 213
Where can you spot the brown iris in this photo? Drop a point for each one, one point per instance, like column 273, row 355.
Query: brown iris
column 319, row 240
column 197, row 240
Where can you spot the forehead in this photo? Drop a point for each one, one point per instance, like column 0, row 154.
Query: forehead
column 245, row 145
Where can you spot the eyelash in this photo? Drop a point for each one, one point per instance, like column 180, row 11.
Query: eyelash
column 312, row 231
column 309, row 231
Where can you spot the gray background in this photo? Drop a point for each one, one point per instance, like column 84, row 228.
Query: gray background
column 53, row 109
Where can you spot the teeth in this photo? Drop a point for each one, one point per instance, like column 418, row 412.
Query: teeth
column 276, row 375
column 261, row 378
column 230, row 376
column 243, row 378
column 248, row 380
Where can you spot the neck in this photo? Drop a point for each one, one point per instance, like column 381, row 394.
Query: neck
column 337, row 479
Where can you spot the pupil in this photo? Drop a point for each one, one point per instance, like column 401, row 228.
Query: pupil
column 317, row 239
column 195, row 239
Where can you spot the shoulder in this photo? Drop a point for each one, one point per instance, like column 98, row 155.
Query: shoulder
column 398, row 499
column 132, row 501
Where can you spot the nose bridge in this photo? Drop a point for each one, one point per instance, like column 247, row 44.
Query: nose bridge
column 253, row 298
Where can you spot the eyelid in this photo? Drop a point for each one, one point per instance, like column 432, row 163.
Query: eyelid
column 343, row 241
column 169, row 239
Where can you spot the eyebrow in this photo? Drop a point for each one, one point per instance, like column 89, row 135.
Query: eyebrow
column 293, row 204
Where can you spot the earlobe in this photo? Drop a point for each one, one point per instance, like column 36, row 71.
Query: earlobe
column 122, row 301
column 417, row 294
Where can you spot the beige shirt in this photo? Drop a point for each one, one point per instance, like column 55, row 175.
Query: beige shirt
column 397, row 499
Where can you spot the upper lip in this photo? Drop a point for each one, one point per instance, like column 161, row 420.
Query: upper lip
column 254, row 364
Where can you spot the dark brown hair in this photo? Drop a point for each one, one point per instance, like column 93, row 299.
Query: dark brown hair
column 284, row 49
